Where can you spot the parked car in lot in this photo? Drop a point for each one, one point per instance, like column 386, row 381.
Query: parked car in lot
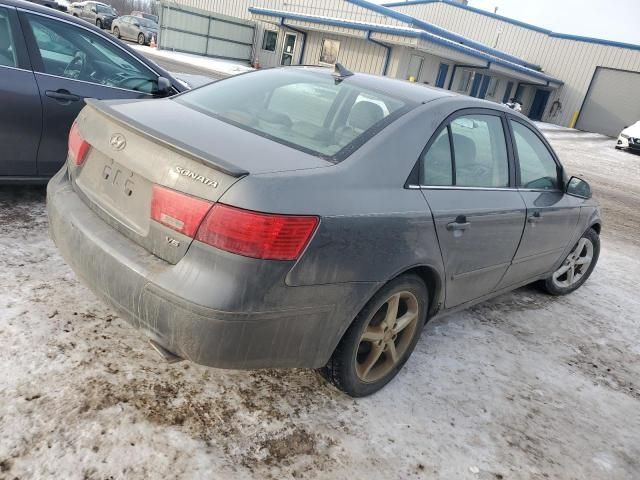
column 99, row 14
column 135, row 28
column 283, row 218
column 62, row 5
column 629, row 138
column 50, row 62
column 148, row 16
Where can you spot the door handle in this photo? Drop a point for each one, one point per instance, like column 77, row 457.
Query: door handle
column 535, row 217
column 459, row 224
column 63, row 96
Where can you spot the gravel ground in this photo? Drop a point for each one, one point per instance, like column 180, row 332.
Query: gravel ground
column 525, row 386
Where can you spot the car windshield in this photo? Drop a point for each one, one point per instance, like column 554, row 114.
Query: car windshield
column 105, row 9
column 301, row 108
column 143, row 22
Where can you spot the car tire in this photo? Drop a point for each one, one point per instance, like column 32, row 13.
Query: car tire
column 116, row 32
column 577, row 267
column 99, row 24
column 362, row 363
column 141, row 39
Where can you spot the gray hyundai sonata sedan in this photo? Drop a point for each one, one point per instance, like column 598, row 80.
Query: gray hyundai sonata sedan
column 297, row 217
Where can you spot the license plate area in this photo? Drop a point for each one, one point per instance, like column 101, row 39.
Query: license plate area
column 121, row 193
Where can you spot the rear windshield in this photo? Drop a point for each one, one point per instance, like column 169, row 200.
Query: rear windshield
column 304, row 109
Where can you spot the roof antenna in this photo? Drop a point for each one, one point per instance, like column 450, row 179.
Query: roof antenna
column 340, row 73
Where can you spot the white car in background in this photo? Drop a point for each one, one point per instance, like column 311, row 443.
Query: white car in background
column 629, row 138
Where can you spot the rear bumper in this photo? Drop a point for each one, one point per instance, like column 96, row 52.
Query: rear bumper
column 150, row 294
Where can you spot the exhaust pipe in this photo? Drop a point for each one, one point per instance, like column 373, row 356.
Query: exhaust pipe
column 168, row 356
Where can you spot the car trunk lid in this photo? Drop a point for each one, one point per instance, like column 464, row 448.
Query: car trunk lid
column 126, row 164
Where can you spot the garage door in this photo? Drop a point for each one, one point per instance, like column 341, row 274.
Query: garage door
column 612, row 103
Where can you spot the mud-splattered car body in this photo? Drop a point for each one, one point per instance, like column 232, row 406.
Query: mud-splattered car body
column 373, row 217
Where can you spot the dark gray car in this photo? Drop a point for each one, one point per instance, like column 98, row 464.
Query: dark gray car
column 50, row 62
column 295, row 218
column 135, row 28
column 97, row 13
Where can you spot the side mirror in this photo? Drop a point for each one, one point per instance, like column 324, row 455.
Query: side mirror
column 164, row 87
column 94, row 10
column 578, row 188
column 136, row 24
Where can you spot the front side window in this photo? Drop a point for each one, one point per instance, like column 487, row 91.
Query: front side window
column 269, row 40
column 479, row 157
column 304, row 109
column 72, row 52
column 7, row 48
column 329, row 53
column 538, row 169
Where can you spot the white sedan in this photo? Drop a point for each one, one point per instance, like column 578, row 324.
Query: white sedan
column 629, row 138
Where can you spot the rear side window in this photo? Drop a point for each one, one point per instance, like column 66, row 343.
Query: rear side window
column 7, row 48
column 478, row 158
column 304, row 109
column 538, row 169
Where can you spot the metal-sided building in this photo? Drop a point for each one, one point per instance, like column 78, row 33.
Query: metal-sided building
column 589, row 83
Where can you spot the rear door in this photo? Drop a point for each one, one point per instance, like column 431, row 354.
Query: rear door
column 552, row 216
column 467, row 181
column 20, row 110
column 72, row 63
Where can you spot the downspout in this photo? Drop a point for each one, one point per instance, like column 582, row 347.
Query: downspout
column 301, row 32
column 387, row 54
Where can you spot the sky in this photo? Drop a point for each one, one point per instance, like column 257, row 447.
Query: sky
column 612, row 20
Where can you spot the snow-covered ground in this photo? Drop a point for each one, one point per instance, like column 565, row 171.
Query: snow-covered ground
column 215, row 65
column 526, row 386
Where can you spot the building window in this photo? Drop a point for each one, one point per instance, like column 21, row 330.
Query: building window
column 493, row 87
column 465, row 81
column 329, row 53
column 269, row 40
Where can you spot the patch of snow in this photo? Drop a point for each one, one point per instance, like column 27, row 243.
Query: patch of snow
column 217, row 65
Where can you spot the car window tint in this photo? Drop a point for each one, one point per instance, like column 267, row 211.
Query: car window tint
column 7, row 48
column 538, row 169
column 480, row 151
column 436, row 162
column 303, row 109
column 73, row 52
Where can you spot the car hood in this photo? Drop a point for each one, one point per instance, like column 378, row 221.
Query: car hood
column 633, row 130
column 215, row 141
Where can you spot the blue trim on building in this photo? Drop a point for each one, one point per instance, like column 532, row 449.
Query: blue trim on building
column 373, row 27
column 566, row 36
column 421, row 24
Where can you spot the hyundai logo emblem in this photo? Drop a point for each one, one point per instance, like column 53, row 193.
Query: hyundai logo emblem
column 117, row 142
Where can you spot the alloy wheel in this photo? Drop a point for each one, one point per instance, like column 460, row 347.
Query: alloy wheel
column 387, row 336
column 575, row 265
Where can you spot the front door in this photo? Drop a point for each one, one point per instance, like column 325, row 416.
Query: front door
column 465, row 178
column 442, row 75
column 288, row 48
column 20, row 110
column 415, row 68
column 475, row 86
column 72, row 63
column 539, row 104
column 552, row 216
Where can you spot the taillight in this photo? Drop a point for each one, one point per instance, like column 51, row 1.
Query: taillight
column 78, row 148
column 180, row 212
column 257, row 235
